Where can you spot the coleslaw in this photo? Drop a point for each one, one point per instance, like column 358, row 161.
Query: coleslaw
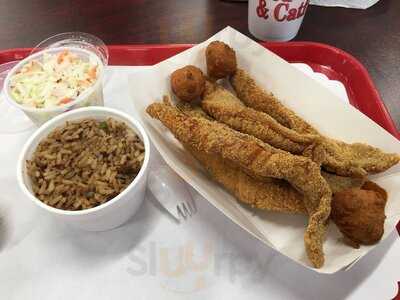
column 55, row 80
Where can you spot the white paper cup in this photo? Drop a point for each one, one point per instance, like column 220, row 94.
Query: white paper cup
column 106, row 216
column 276, row 20
column 92, row 96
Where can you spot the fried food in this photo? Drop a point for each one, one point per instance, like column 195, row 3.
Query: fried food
column 355, row 160
column 192, row 110
column 336, row 183
column 225, row 107
column 372, row 186
column 258, row 160
column 340, row 183
column 188, row 83
column 272, row 195
column 360, row 214
column 221, row 60
column 254, row 96
column 269, row 194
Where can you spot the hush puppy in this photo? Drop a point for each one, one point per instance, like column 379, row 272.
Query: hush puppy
column 221, row 60
column 188, row 83
column 360, row 214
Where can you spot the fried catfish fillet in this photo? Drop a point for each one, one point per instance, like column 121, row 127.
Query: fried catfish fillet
column 270, row 194
column 356, row 160
column 226, row 108
column 336, row 183
column 254, row 96
column 340, row 183
column 192, row 110
column 260, row 161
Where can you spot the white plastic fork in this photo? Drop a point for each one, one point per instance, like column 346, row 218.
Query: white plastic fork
column 172, row 192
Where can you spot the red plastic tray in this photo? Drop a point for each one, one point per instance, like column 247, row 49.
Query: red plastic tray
column 336, row 64
column 331, row 61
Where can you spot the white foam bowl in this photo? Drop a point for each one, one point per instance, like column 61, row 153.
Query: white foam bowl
column 106, row 216
column 92, row 96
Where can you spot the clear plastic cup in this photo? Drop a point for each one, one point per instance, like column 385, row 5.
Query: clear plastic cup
column 92, row 96
column 87, row 47
column 271, row 20
column 12, row 119
column 75, row 40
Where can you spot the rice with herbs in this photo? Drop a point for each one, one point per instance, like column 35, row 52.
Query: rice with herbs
column 84, row 164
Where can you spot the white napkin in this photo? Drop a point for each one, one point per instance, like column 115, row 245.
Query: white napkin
column 361, row 4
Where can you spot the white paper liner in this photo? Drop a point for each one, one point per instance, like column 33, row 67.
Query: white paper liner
column 312, row 101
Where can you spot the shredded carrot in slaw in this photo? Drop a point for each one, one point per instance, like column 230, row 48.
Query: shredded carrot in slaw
column 53, row 80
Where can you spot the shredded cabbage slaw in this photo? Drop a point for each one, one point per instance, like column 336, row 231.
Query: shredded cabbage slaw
column 55, row 80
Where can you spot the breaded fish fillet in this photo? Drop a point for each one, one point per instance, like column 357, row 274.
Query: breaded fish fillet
column 356, row 160
column 270, row 194
column 254, row 96
column 336, row 183
column 225, row 107
column 340, row 183
column 192, row 110
column 258, row 160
